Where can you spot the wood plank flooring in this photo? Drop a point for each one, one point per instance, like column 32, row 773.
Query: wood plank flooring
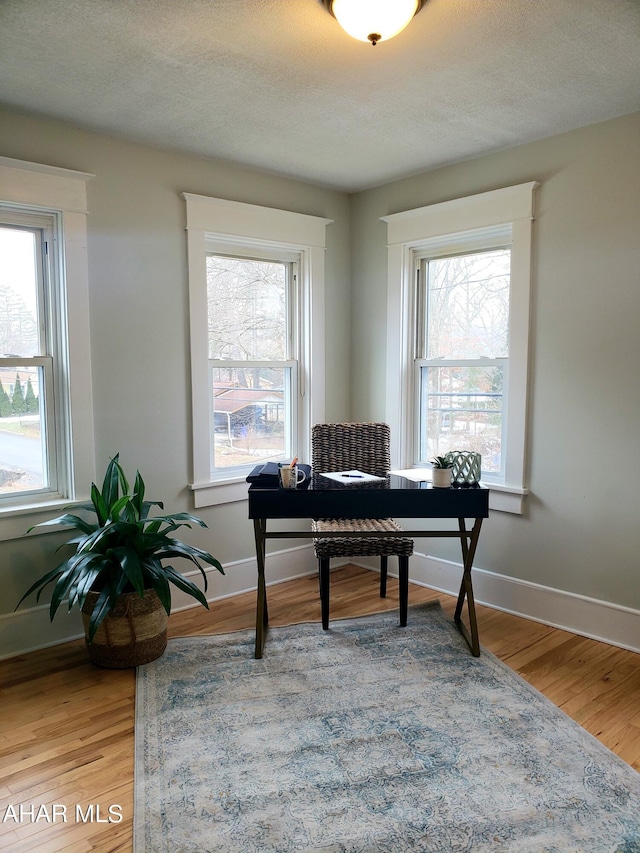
column 66, row 727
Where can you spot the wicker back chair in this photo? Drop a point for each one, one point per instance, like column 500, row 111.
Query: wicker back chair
column 365, row 447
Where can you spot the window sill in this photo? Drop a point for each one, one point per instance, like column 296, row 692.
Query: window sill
column 506, row 498
column 16, row 520
column 219, row 492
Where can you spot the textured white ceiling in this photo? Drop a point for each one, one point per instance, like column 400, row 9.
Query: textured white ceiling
column 276, row 84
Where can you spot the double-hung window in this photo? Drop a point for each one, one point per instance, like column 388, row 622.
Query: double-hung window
column 28, row 318
column 46, row 412
column 459, row 278
column 256, row 306
column 463, row 356
column 253, row 359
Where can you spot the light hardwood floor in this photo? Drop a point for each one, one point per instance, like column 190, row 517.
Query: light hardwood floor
column 66, row 727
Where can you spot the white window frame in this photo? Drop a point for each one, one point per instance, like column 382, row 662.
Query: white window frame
column 58, row 195
column 480, row 221
column 230, row 227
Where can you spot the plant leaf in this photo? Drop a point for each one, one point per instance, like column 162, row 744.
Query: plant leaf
column 99, row 505
column 118, row 509
column 110, row 485
column 84, row 585
column 101, row 609
column 176, row 548
column 67, row 520
column 146, row 506
column 180, row 519
column 138, row 494
column 130, row 563
column 40, row 584
column 160, row 584
column 185, row 585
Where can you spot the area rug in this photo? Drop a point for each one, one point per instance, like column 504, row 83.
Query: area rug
column 368, row 738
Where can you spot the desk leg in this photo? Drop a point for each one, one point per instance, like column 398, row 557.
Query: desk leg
column 325, row 591
column 466, row 587
column 262, row 615
column 403, row 584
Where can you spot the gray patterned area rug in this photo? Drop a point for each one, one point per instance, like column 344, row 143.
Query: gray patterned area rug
column 369, row 738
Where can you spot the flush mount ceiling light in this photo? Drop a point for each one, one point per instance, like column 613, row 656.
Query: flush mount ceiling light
column 373, row 20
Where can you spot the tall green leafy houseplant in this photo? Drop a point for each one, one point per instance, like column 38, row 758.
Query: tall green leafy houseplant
column 122, row 550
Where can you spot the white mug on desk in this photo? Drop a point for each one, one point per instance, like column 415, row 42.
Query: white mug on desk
column 290, row 476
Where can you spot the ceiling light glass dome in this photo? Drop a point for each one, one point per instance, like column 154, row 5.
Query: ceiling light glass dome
column 373, row 20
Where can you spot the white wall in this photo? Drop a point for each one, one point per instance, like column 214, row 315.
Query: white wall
column 579, row 531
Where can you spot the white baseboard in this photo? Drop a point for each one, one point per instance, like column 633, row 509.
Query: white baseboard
column 28, row 630
column 588, row 617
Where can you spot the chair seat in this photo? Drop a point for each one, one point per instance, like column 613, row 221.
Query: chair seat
column 400, row 546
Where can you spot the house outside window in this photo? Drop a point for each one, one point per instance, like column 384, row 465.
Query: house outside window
column 256, row 305
column 46, row 413
column 459, row 278
column 253, row 360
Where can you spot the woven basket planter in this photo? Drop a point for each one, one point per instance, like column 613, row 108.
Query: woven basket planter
column 134, row 633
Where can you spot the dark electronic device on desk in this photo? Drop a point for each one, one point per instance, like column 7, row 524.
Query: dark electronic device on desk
column 265, row 476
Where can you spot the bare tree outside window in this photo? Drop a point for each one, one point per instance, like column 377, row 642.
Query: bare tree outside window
column 249, row 343
column 468, row 306
column 247, row 308
column 465, row 347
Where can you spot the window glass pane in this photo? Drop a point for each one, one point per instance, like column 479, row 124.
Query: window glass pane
column 461, row 409
column 22, row 433
column 247, row 308
column 18, row 293
column 468, row 306
column 249, row 414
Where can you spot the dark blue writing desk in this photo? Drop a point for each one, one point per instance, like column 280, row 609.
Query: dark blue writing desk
column 396, row 497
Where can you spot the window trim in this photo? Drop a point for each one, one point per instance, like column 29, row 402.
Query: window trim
column 62, row 194
column 455, row 225
column 215, row 224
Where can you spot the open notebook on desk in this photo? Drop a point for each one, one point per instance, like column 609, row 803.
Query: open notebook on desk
column 352, row 477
